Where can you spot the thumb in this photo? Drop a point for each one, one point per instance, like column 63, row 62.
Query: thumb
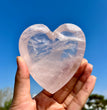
column 22, row 80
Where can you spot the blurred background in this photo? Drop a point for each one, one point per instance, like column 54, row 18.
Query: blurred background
column 17, row 15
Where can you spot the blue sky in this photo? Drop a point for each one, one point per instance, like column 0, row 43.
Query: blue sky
column 17, row 15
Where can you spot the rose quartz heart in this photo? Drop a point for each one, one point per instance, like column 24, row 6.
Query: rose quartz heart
column 52, row 57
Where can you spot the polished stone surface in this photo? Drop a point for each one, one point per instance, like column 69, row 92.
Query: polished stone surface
column 52, row 57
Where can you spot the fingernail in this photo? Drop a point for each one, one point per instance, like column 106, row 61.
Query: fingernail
column 19, row 59
column 84, row 61
column 94, row 77
column 91, row 66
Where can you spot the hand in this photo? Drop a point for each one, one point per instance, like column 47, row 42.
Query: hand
column 72, row 96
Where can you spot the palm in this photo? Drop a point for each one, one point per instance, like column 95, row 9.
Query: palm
column 71, row 97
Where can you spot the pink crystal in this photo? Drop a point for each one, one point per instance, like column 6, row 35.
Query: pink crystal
column 52, row 57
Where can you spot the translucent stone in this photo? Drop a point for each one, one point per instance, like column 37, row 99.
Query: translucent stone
column 52, row 57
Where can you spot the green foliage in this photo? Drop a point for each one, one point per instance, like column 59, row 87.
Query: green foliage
column 5, row 98
column 6, row 105
column 5, row 95
column 96, row 102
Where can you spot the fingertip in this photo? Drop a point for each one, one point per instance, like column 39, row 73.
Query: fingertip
column 89, row 68
column 94, row 77
column 22, row 69
column 19, row 60
column 81, row 68
column 92, row 80
column 90, row 65
column 84, row 61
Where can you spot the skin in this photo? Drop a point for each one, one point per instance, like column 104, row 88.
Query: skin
column 72, row 96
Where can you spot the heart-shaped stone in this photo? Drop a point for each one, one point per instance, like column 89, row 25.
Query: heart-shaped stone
column 52, row 57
